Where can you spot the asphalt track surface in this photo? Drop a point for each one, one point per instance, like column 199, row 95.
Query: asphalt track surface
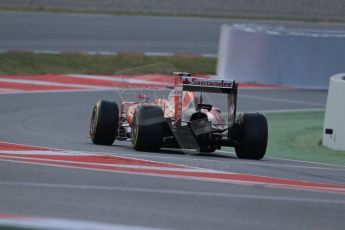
column 99, row 33
column 61, row 120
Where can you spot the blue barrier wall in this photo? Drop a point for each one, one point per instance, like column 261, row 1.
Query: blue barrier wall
column 277, row 55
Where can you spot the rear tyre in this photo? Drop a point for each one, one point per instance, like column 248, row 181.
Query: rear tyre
column 253, row 136
column 147, row 128
column 104, row 122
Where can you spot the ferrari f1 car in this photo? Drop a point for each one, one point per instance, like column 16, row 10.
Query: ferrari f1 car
column 182, row 120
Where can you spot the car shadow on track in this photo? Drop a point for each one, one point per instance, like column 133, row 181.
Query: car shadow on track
column 181, row 152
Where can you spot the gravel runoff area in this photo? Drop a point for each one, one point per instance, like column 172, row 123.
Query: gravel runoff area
column 310, row 10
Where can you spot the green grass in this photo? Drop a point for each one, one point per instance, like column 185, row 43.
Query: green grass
column 298, row 136
column 26, row 63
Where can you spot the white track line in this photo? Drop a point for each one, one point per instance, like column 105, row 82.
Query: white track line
column 299, row 161
column 8, row 90
column 193, row 178
column 117, row 78
column 172, row 192
column 291, row 110
column 162, row 54
column 210, row 55
column 309, row 162
column 46, row 152
column 339, row 168
column 293, row 166
column 107, row 53
column 80, row 153
column 132, row 156
column 61, row 224
column 157, row 175
column 46, row 52
column 47, row 83
column 101, row 53
column 94, row 77
column 63, row 91
column 129, row 166
column 190, row 158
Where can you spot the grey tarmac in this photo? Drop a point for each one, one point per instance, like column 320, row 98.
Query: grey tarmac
column 61, row 120
column 103, row 33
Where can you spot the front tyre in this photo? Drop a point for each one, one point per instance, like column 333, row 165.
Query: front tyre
column 252, row 137
column 147, row 128
column 104, row 122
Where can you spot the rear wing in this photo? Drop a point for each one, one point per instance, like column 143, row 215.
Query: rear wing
column 199, row 84
column 185, row 82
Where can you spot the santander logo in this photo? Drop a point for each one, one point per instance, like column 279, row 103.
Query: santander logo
column 193, row 81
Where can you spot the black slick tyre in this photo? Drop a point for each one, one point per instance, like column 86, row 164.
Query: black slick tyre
column 253, row 136
column 104, row 122
column 147, row 128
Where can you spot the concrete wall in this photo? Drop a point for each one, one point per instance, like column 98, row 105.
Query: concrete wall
column 277, row 55
column 334, row 124
column 278, row 9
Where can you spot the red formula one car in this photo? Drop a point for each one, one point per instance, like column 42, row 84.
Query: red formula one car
column 182, row 120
